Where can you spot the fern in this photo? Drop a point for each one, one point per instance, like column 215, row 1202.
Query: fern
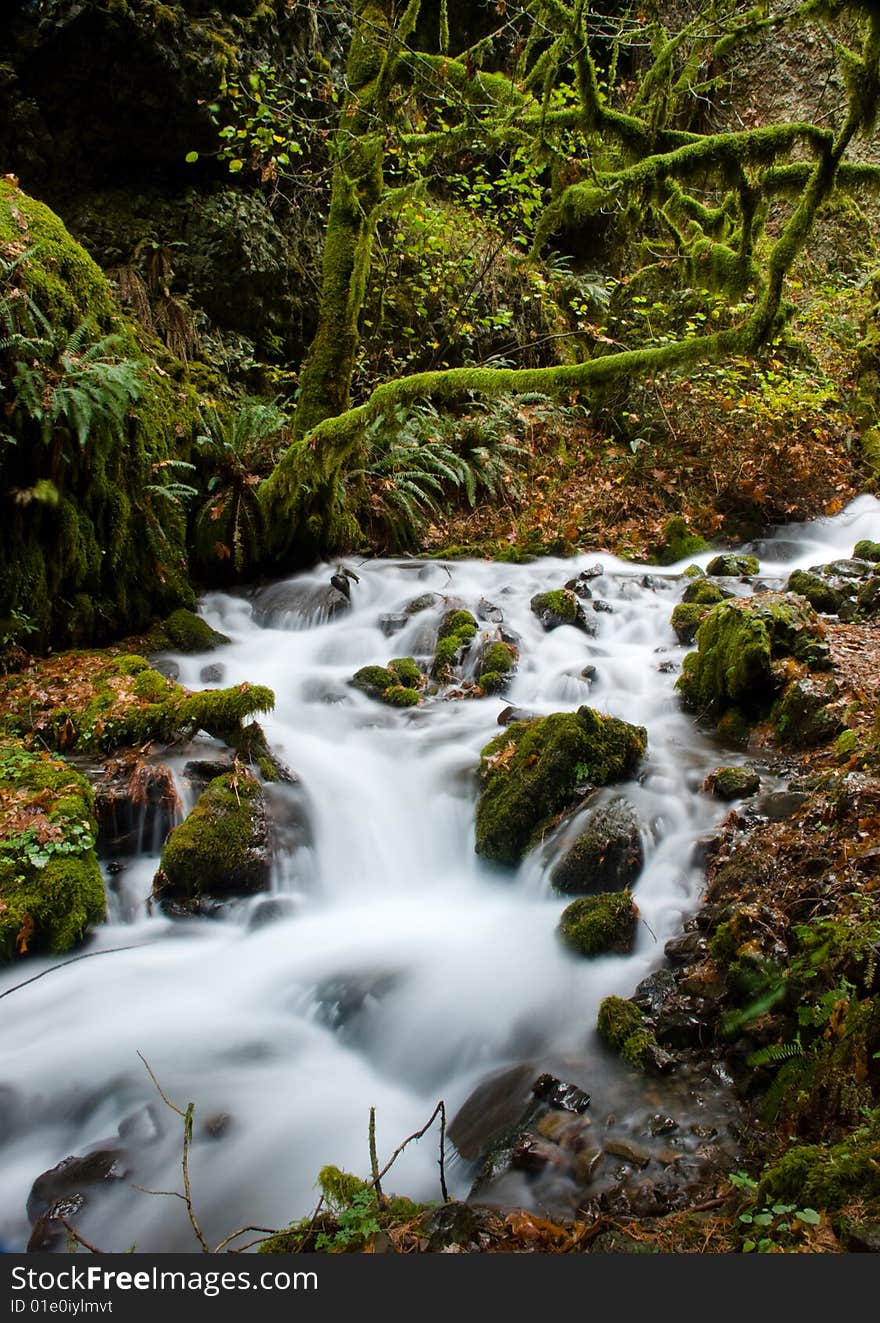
column 776, row 1053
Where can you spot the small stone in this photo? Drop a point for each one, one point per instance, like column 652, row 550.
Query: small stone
column 393, row 623
column 212, row 674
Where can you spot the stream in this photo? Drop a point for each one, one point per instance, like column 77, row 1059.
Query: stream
column 390, row 967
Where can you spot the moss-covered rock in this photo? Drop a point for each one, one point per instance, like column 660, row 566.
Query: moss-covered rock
column 733, row 782
column 822, row 595
column 738, row 645
column 807, row 712
column 187, row 632
column 396, row 684
column 536, row 769
column 559, row 607
column 607, row 855
column 51, row 888
column 867, row 550
column 600, row 925
column 686, row 619
column 827, row 1176
column 221, row 848
column 87, row 702
column 622, row 1026
column 705, row 592
column 457, row 630
column 336, row 1229
column 728, row 565
column 496, row 665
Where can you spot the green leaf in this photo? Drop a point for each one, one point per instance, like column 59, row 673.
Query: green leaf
column 191, row 158
column 808, row 1215
column 235, row 165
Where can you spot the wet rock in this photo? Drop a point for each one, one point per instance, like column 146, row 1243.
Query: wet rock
column 166, row 666
column 73, row 1178
column 563, row 1097
column 845, row 569
column 733, row 565
column 212, row 674
column 824, row 592
column 487, row 611
column 731, row 783
column 298, row 605
column 393, row 623
column 531, row 1153
column 660, row 1124
column 623, row 1027
column 780, row 805
column 509, row 714
column 630, row 1152
column 199, row 771
column 654, row 991
column 536, row 769
column 221, row 849
column 493, row 1109
column 688, row 949
column 601, row 606
column 137, row 805
column 606, row 855
column 655, row 583
column 340, row 1002
column 580, row 586
column 496, row 666
column 423, row 602
column 561, row 607
column 457, row 1226
column 603, row 924
column 592, row 572
column 667, row 667
column 806, row 714
column 589, row 673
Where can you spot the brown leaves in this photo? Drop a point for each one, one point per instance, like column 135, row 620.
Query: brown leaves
column 25, row 934
column 493, row 761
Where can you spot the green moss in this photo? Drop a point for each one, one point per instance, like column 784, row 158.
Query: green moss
column 729, row 564
column 820, row 594
column 686, row 619
column 806, row 714
column 622, row 1026
column 50, row 883
column 535, row 769
column 456, row 632
column 735, row 782
column 866, row 550
column 497, row 664
column 354, row 1215
column 407, row 671
column 678, row 541
column 827, row 1177
column 705, row 593
column 221, row 847
column 600, row 925
column 737, row 644
column 398, row 695
column 373, row 679
column 188, row 632
column 559, row 607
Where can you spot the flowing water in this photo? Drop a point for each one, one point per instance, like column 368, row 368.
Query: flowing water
column 393, row 968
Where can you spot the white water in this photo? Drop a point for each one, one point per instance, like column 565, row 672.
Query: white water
column 458, row 966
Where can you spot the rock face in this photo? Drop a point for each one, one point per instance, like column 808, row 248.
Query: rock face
column 536, row 769
column 738, row 645
column 221, row 849
column 607, row 854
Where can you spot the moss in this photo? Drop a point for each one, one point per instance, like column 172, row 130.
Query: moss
column 333, row 1231
column 456, row 632
column 496, row 665
column 606, row 855
column 686, row 619
column 729, row 565
column 622, row 1026
column 559, row 607
column 734, row 782
column 50, row 883
column 738, row 643
column 407, row 671
column 535, row 769
column 221, row 848
column 827, row 1177
column 806, row 714
column 866, row 550
column 398, row 695
column 678, row 541
column 85, row 703
column 705, row 593
column 821, row 595
column 373, row 679
column 188, row 632
column 600, row 925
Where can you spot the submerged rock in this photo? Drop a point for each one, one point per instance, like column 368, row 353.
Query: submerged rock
column 536, row 769
column 298, row 605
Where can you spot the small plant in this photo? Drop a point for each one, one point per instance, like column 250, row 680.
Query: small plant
column 773, row 1228
column 356, row 1222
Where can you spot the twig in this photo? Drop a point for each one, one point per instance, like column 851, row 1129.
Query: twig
column 187, row 1140
column 441, row 1109
column 270, row 1231
column 374, row 1161
column 72, row 1231
column 89, row 955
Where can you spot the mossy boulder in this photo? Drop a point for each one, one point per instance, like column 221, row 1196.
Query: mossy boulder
column 457, row 630
column 187, row 632
column 705, row 592
column 686, row 620
column 738, row 646
column 827, row 1176
column 600, row 925
column 87, row 703
column 866, row 550
column 729, row 565
column 536, row 769
column 621, row 1024
column 557, row 608
column 221, row 848
column 607, row 855
column 808, row 713
column 495, row 666
column 733, row 782
column 396, row 684
column 51, row 890
column 817, row 589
